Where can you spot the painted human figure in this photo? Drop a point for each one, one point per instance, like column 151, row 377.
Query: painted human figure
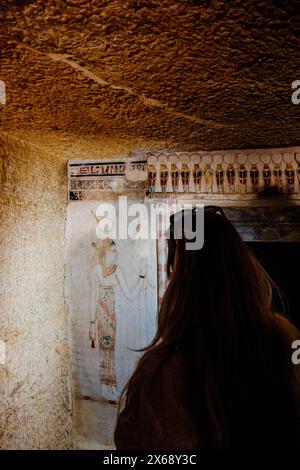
column 163, row 177
column 174, row 177
column 185, row 176
column 197, row 174
column 151, row 178
column 106, row 283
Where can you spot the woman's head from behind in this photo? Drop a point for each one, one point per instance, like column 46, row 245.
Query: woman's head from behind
column 221, row 285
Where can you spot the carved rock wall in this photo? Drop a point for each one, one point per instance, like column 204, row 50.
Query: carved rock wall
column 35, row 393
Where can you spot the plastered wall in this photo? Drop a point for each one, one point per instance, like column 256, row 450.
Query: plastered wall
column 35, row 386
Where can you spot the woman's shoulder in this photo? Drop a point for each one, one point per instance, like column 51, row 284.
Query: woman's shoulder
column 171, row 380
column 288, row 327
column 167, row 373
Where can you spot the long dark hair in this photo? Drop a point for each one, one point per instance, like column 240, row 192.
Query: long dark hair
column 216, row 313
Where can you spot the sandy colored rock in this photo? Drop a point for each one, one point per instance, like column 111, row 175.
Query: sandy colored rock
column 194, row 74
column 103, row 79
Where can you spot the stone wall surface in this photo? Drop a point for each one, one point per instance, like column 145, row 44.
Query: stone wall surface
column 35, row 392
column 36, row 404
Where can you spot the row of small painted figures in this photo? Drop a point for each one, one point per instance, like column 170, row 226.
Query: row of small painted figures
column 282, row 178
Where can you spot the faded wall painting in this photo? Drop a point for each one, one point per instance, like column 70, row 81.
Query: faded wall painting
column 112, row 297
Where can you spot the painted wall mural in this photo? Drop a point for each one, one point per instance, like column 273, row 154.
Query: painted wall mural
column 112, row 297
column 114, row 286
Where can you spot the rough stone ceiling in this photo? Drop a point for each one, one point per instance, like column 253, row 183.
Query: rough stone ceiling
column 212, row 74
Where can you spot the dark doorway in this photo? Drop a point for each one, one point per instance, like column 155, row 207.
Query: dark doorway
column 282, row 262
